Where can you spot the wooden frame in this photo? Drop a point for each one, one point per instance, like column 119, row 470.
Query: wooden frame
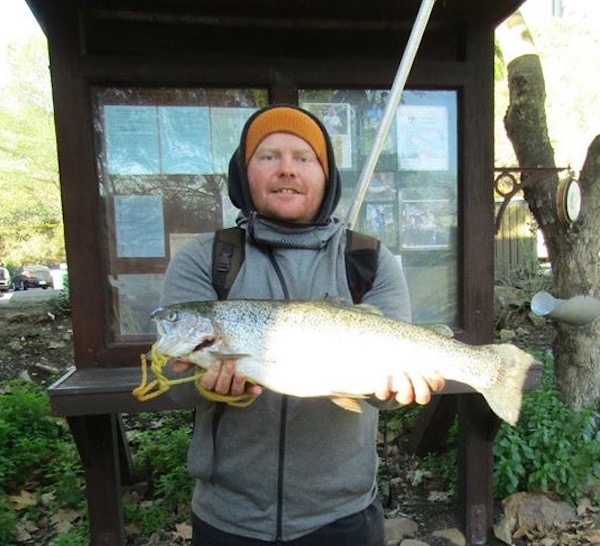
column 230, row 43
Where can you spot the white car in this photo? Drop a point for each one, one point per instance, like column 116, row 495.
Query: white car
column 4, row 279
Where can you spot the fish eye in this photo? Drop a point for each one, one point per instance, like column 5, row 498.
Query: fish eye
column 172, row 316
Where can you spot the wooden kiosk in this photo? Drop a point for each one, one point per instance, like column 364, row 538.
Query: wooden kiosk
column 149, row 100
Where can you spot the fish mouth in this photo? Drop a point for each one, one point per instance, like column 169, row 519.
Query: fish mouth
column 177, row 348
column 205, row 343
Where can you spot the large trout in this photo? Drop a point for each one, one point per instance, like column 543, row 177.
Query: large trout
column 326, row 348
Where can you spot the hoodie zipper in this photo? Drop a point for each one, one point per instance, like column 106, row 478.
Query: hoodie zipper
column 283, row 415
column 280, row 467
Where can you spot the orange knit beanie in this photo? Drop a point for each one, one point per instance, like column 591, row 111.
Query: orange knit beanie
column 287, row 120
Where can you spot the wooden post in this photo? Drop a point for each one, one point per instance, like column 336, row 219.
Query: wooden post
column 477, row 428
column 97, row 440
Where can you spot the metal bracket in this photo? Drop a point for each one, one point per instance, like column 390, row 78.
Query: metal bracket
column 507, row 185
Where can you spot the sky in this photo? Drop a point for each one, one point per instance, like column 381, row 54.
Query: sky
column 17, row 24
column 16, row 21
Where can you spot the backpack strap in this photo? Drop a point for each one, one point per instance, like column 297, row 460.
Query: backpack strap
column 227, row 259
column 362, row 256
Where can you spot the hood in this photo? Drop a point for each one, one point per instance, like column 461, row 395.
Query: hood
column 239, row 192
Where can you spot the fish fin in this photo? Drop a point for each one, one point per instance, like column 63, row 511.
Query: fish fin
column 337, row 300
column 368, row 308
column 505, row 395
column 348, row 401
column 441, row 329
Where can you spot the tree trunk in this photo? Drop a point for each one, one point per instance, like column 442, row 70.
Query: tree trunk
column 573, row 249
column 577, row 348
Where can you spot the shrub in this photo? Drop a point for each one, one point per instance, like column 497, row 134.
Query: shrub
column 8, row 522
column 160, row 455
column 61, row 305
column 30, row 436
column 73, row 537
column 552, row 448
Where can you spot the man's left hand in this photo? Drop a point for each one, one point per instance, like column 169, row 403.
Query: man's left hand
column 407, row 388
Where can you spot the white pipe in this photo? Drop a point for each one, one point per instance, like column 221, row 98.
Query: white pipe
column 578, row 310
column 406, row 63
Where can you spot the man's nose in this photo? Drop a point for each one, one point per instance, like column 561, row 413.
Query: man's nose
column 287, row 165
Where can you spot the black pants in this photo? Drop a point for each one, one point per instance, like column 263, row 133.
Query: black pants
column 364, row 528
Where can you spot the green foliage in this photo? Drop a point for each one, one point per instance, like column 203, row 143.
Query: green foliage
column 444, row 464
column 60, row 305
column 399, row 421
column 551, row 449
column 65, row 476
column 78, row 536
column 148, row 517
column 160, row 454
column 31, row 228
column 37, row 452
column 8, row 522
column 30, row 436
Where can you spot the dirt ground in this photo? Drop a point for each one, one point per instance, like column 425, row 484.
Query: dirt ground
column 34, row 343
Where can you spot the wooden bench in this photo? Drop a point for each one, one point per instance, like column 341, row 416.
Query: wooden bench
column 93, row 399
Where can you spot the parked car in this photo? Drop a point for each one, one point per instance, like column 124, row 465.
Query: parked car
column 33, row 276
column 4, row 279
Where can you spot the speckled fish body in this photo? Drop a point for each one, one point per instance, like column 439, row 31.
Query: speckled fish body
column 325, row 348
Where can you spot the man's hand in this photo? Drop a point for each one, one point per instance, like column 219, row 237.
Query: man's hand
column 223, row 378
column 407, row 388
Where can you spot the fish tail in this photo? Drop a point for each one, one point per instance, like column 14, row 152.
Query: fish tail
column 505, row 395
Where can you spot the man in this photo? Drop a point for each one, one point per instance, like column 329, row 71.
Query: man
column 286, row 470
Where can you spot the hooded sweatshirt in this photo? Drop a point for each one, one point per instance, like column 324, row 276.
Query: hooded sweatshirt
column 284, row 466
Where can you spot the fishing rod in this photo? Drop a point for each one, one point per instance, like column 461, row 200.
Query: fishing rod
column 406, row 63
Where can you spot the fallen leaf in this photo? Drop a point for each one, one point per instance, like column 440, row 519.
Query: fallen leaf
column 28, row 525
column 439, row 496
column 132, row 529
column 63, row 527
column 65, row 516
column 23, row 500
column 184, row 530
column 584, row 505
column 592, row 536
column 47, row 498
column 23, row 535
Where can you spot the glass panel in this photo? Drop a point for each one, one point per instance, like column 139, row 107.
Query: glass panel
column 412, row 203
column 162, row 158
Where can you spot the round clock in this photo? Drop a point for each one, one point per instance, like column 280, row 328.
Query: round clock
column 568, row 201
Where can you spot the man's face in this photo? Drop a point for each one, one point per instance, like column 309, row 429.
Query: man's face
column 286, row 179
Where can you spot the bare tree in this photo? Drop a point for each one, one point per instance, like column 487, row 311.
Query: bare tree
column 573, row 249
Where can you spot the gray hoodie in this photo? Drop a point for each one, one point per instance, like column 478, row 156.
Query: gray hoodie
column 283, row 466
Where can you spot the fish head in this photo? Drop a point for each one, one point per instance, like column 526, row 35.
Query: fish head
column 182, row 332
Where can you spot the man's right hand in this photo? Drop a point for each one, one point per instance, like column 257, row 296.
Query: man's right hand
column 222, row 378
